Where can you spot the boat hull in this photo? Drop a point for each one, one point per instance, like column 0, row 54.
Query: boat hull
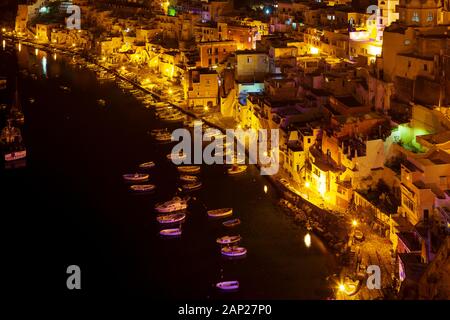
column 17, row 155
column 228, row 285
column 218, row 213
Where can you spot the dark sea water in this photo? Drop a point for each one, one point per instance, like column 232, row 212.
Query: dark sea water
column 70, row 205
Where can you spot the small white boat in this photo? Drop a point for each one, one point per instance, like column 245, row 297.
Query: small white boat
column 220, row 212
column 188, row 178
column 231, row 223
column 171, row 218
column 228, row 285
column 228, row 239
column 174, row 232
column 156, row 131
column 175, row 117
column 237, row 169
column 136, row 177
column 175, row 204
column 233, row 251
column 191, row 186
column 142, row 187
column 147, row 165
column 163, row 137
column 189, row 169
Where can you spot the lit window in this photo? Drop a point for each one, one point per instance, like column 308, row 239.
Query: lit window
column 430, row 16
column 415, row 17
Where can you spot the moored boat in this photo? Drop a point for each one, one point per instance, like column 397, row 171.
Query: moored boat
column 228, row 285
column 174, row 232
column 223, row 212
column 135, row 177
column 235, row 169
column 233, row 251
column 228, row 239
column 171, row 218
column 142, row 187
column 163, row 137
column 189, row 169
column 13, row 147
column 231, row 222
column 175, row 204
column 188, row 178
column 147, row 165
column 191, row 186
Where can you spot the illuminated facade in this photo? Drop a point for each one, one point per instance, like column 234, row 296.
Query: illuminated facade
column 201, row 89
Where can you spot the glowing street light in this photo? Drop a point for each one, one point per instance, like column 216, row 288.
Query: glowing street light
column 170, row 91
column 3, row 29
column 314, row 50
column 265, row 189
column 122, row 68
column 307, row 240
column 341, row 287
column 307, row 184
column 354, row 222
column 206, row 108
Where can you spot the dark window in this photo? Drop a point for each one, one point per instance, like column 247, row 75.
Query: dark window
column 425, row 67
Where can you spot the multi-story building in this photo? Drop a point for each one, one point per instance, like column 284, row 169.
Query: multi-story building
column 251, row 66
column 213, row 53
column 201, row 89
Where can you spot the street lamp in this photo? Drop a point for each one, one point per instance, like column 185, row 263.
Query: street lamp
column 3, row 29
column 354, row 222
